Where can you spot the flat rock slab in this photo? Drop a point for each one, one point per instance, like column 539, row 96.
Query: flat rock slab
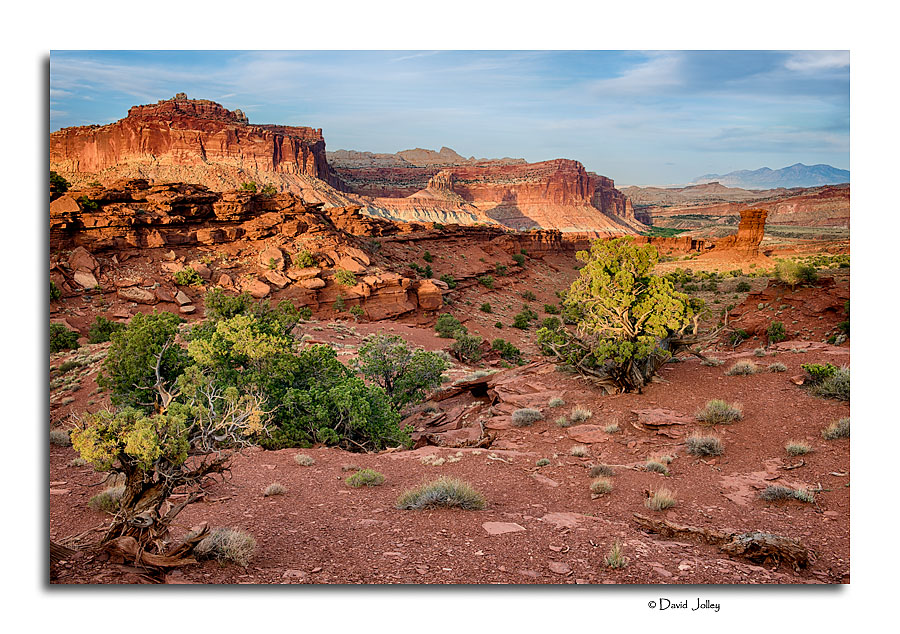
column 499, row 528
column 658, row 417
column 560, row 568
column 499, row 422
column 587, row 433
column 562, row 520
column 545, row 480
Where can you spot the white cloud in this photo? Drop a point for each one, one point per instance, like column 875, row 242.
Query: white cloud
column 662, row 71
column 805, row 61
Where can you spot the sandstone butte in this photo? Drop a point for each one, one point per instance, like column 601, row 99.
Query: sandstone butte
column 183, row 140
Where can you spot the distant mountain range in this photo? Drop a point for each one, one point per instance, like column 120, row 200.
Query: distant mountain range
column 798, row 175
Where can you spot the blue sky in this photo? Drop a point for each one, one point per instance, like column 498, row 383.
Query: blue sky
column 639, row 117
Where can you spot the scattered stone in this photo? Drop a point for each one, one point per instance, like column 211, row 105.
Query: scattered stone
column 187, row 309
column 183, row 298
column 545, row 480
column 313, row 283
column 276, row 279
column 499, row 528
column 258, row 289
column 270, row 256
column 137, row 295
column 560, row 568
column 85, row 279
column 587, row 433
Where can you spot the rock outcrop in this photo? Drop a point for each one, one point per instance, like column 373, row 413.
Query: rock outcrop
column 745, row 243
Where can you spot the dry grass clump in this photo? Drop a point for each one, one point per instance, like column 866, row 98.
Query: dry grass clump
column 525, row 417
column 611, row 429
column 839, row 429
column 77, row 462
column 778, row 493
column 580, row 451
column 562, row 421
column 443, row 492
column 543, row 462
column 600, row 486
column 662, row 499
column 759, row 352
column 304, row 460
column 276, row 488
column 699, row 445
column 718, row 411
column 107, row 500
column 777, row 367
column 227, row 544
column 742, row 368
column 601, row 470
column 656, row 466
column 580, row 414
column 712, row 362
column 797, row 447
column 365, row 478
column 836, row 386
column 556, row 402
column 615, row 558
column 60, row 437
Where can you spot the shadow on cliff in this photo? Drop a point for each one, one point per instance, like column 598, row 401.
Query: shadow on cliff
column 509, row 214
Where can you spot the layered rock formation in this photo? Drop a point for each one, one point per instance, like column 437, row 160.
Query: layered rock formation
column 745, row 243
column 199, row 141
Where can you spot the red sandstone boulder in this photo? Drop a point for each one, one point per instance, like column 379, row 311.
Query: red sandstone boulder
column 257, row 289
column 429, row 295
column 272, row 259
column 137, row 295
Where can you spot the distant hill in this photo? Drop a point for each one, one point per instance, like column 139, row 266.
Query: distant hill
column 798, row 175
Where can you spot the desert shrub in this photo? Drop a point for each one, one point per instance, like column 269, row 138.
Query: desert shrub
column 602, row 470
column 60, row 438
column 304, row 259
column 248, row 187
column 77, row 462
column 437, row 226
column 449, row 280
column 528, row 296
column 804, row 495
column 551, row 323
column 304, row 313
column 507, row 350
column 526, row 417
column 792, row 273
column 580, row 451
column 742, row 287
column 836, row 386
column 102, row 329
column 839, row 429
column 562, row 421
column 712, row 362
column 797, row 448
column 276, row 488
column 129, row 370
column 774, row 493
column 775, row 332
column 428, row 257
column 447, row 326
column 227, row 545
column 498, row 324
column 54, row 291
column 443, row 492
column 344, row 277
column 737, row 337
column 269, row 190
column 519, row 259
column 188, row 277
column 556, row 402
column 365, row 478
column 777, row 367
column 543, row 462
column 61, row 338
column 818, row 372
column 718, row 411
column 742, row 368
column 521, row 321
column 486, row 308
column 405, row 374
column 486, row 280
column 500, row 269
column 357, row 311
column 662, row 499
column 87, row 204
column 656, row 467
column 698, row 445
column 611, row 429
column 580, row 414
column 304, row 460
column 616, row 558
column 551, row 309
column 58, row 184
column 600, row 486
column 466, row 347
column 107, row 500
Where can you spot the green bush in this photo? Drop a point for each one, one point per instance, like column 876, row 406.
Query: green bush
column 718, row 411
column 466, row 348
column 519, row 259
column 54, row 291
column 249, row 187
column 551, row 309
column 58, row 184
column 61, row 338
column 304, row 259
column 500, row 269
column 836, row 385
column 405, row 374
column 269, row 190
column 365, row 478
column 775, row 332
column 102, row 329
column 528, row 296
column 188, row 277
column 486, row 281
column 818, row 372
column 499, row 325
column 449, row 280
column 344, row 277
column 742, row 287
column 737, row 337
column 447, row 326
column 358, row 312
column 507, row 351
column 428, row 257
column 87, row 204
column 486, row 308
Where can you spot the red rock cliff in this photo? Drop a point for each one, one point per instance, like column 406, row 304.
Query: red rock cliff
column 183, row 132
